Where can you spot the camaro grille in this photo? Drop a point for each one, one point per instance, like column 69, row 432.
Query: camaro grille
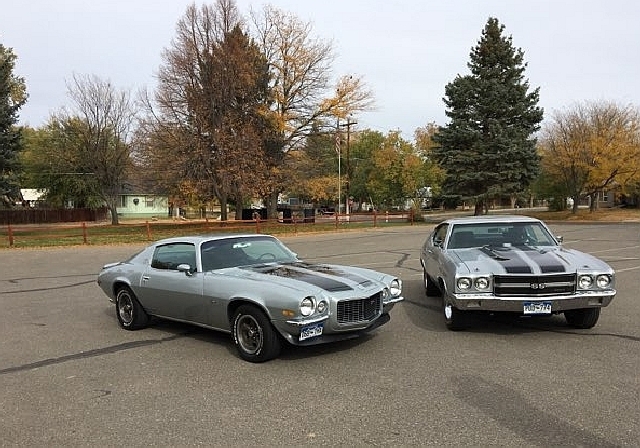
column 534, row 285
column 359, row 310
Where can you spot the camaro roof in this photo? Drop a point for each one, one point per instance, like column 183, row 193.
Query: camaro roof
column 197, row 239
column 491, row 219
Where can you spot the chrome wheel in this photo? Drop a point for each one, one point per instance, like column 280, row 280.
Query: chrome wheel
column 249, row 334
column 125, row 308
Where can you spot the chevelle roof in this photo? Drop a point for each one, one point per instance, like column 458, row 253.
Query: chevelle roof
column 490, row 219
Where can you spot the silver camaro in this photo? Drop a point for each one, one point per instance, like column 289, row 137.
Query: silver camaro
column 251, row 286
column 513, row 264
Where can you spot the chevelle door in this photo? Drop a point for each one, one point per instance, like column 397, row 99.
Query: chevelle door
column 167, row 292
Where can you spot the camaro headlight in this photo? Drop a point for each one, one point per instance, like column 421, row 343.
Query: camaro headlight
column 464, row 283
column 395, row 287
column 585, row 281
column 307, row 306
column 603, row 281
column 481, row 283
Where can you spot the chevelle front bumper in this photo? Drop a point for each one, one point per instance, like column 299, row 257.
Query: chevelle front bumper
column 516, row 304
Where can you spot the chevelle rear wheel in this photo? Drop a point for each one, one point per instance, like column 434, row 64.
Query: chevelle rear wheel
column 255, row 338
column 129, row 312
column 582, row 318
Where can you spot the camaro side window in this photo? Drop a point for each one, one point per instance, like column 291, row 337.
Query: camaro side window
column 170, row 256
column 440, row 234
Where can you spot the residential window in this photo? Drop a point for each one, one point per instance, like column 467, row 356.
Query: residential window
column 123, row 201
column 148, row 201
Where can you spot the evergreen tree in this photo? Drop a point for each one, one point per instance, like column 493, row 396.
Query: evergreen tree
column 12, row 97
column 488, row 149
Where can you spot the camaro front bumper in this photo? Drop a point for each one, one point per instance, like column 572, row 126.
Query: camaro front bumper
column 292, row 332
column 489, row 302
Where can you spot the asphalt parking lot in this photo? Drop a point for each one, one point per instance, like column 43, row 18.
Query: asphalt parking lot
column 69, row 376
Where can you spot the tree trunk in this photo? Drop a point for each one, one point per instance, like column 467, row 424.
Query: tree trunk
column 111, row 206
column 223, row 207
column 239, row 206
column 479, row 207
column 271, row 202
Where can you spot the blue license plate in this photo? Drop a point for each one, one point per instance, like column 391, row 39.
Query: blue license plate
column 537, row 308
column 311, row 331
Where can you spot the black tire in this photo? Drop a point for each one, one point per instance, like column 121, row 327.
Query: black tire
column 255, row 338
column 583, row 317
column 430, row 287
column 130, row 314
column 454, row 319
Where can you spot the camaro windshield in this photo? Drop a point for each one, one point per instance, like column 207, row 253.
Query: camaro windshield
column 243, row 251
column 500, row 235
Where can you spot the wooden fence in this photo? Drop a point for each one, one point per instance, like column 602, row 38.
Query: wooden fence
column 27, row 215
column 94, row 234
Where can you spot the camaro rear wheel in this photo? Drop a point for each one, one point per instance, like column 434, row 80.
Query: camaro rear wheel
column 254, row 336
column 454, row 319
column 130, row 313
column 430, row 287
column 582, row 318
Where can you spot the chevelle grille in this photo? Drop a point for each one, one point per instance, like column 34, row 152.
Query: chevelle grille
column 359, row 310
column 534, row 285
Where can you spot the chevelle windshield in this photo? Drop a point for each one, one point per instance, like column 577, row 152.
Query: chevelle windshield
column 499, row 235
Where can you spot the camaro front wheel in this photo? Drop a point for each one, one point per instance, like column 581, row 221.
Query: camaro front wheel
column 131, row 315
column 582, row 318
column 254, row 336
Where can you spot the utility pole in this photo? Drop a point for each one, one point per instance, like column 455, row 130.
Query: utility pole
column 348, row 125
column 339, row 163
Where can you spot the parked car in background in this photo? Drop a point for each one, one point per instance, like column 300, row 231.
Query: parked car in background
column 251, row 286
column 512, row 264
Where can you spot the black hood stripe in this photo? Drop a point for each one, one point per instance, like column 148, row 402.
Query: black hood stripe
column 523, row 260
column 547, row 260
column 301, row 272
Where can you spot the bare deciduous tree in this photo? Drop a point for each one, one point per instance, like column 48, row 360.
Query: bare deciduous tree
column 108, row 115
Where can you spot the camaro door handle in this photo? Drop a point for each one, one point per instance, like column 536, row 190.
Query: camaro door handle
column 145, row 278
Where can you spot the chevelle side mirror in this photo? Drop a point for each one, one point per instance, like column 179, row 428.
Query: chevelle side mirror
column 437, row 242
column 184, row 267
column 559, row 238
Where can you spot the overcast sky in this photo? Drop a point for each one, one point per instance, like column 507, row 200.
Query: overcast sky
column 406, row 50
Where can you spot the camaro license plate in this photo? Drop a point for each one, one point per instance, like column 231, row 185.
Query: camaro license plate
column 537, row 307
column 310, row 331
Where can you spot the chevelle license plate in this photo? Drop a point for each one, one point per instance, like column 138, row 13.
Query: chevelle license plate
column 311, row 331
column 537, row 307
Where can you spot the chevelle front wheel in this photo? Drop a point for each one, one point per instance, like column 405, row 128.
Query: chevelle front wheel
column 454, row 319
column 582, row 318
column 255, row 338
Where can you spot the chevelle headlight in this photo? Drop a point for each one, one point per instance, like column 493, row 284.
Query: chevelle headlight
column 481, row 283
column 603, row 281
column 395, row 287
column 307, row 306
column 464, row 283
column 585, row 281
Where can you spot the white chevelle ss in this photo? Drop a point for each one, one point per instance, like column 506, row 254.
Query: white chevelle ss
column 252, row 286
column 512, row 264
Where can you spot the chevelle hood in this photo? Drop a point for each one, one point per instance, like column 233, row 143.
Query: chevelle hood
column 523, row 260
column 305, row 276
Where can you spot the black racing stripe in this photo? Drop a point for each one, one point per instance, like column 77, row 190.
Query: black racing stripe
column 290, row 271
column 332, row 270
column 510, row 260
column 548, row 261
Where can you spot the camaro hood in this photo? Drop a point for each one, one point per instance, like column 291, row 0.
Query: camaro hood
column 525, row 260
column 300, row 275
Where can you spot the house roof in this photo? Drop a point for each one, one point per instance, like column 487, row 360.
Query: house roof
column 32, row 194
